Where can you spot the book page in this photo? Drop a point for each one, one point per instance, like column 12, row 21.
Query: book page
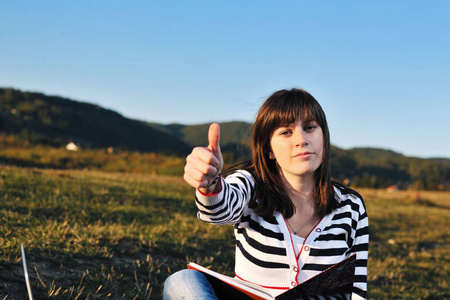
column 256, row 291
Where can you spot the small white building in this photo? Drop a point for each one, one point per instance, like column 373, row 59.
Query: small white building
column 71, row 147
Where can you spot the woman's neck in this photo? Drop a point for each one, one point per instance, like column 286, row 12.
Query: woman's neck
column 300, row 191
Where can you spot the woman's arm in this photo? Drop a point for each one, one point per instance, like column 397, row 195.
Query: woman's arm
column 227, row 205
column 219, row 201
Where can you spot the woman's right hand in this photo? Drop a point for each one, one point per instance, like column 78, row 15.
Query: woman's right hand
column 205, row 163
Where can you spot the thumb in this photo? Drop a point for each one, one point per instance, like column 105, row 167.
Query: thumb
column 214, row 138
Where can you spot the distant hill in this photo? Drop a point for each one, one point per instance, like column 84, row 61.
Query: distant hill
column 234, row 136
column 56, row 121
column 372, row 167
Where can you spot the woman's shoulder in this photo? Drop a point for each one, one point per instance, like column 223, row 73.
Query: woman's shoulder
column 342, row 190
column 345, row 195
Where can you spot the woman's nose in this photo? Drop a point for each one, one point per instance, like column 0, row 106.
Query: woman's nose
column 300, row 138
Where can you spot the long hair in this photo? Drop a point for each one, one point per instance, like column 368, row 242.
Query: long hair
column 282, row 108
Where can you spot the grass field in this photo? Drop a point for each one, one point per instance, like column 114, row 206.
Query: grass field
column 96, row 235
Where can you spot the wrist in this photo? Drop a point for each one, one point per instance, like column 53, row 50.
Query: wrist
column 214, row 181
column 214, row 188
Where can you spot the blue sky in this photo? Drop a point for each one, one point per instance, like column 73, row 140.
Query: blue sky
column 380, row 69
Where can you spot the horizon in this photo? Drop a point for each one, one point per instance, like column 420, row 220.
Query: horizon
column 380, row 70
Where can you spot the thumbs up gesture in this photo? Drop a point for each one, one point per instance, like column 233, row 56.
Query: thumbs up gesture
column 204, row 163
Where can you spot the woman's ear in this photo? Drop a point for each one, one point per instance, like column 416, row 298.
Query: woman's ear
column 271, row 156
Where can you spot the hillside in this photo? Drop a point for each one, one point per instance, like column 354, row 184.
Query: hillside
column 55, row 121
column 380, row 168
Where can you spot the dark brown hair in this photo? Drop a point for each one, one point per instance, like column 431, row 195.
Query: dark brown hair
column 282, row 108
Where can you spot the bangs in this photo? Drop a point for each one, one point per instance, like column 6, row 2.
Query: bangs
column 294, row 106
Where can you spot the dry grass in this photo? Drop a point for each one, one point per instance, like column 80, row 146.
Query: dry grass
column 95, row 235
column 409, row 249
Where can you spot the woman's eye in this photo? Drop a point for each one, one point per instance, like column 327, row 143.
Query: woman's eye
column 285, row 132
column 310, row 128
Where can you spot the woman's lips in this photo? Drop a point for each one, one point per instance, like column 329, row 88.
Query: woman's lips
column 303, row 154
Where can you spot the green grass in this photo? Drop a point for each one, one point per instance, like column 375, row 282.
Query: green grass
column 97, row 235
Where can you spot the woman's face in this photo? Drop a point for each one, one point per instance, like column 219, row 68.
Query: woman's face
column 297, row 149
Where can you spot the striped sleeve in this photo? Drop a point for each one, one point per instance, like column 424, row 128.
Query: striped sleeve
column 360, row 246
column 227, row 206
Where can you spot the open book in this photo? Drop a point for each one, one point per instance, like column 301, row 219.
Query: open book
column 338, row 279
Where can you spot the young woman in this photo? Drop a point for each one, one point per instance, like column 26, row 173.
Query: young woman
column 291, row 222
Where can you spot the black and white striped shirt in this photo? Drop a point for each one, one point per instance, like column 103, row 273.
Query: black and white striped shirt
column 265, row 249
